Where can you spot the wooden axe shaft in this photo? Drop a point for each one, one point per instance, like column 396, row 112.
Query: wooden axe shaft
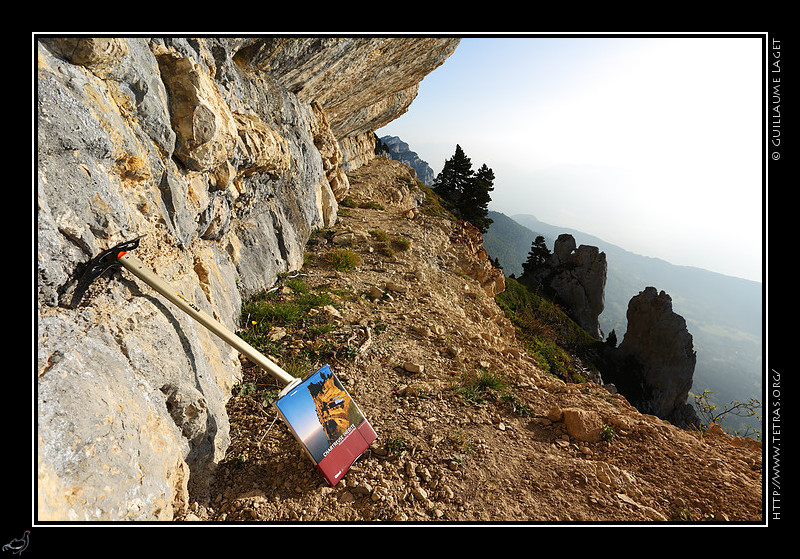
column 135, row 266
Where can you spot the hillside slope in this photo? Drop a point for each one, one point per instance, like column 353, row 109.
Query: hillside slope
column 469, row 429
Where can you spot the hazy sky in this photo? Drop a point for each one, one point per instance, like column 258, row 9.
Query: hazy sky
column 653, row 144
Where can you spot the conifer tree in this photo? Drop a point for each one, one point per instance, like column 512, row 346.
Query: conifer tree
column 464, row 192
column 537, row 256
column 474, row 203
column 452, row 180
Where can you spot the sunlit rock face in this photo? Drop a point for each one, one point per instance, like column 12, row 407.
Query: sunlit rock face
column 224, row 154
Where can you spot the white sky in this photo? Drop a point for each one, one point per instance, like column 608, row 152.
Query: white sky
column 653, row 144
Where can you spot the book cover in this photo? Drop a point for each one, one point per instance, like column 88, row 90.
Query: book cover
column 327, row 422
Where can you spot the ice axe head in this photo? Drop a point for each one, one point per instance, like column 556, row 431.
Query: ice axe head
column 98, row 265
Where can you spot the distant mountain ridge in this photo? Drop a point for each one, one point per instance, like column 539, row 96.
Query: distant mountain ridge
column 723, row 313
column 399, row 151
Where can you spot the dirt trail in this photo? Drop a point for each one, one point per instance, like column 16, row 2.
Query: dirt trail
column 413, row 328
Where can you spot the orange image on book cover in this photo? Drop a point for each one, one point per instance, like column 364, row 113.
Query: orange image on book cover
column 327, row 422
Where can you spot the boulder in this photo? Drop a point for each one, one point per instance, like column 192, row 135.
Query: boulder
column 583, row 425
column 473, row 259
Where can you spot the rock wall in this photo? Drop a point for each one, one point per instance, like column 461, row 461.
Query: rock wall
column 578, row 278
column 657, row 338
column 226, row 153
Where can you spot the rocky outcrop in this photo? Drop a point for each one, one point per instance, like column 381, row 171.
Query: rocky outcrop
column 577, row 276
column 225, row 153
column 661, row 345
column 399, row 151
column 474, row 259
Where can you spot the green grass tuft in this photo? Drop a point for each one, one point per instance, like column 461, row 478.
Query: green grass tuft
column 344, row 259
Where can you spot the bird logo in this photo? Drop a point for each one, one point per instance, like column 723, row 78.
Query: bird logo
column 18, row 545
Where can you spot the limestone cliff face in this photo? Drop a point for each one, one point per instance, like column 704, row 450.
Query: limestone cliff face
column 226, row 154
column 361, row 83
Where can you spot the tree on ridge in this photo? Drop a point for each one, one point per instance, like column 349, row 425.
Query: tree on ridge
column 537, row 257
column 464, row 192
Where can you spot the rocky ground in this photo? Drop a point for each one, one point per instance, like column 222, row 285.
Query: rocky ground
column 469, row 429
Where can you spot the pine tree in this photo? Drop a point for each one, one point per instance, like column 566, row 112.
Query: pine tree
column 464, row 192
column 537, row 256
column 453, row 179
column 474, row 203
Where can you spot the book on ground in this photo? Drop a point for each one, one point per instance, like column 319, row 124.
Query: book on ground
column 327, row 422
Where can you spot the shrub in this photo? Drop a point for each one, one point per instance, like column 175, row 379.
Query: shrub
column 380, row 235
column 344, row 259
column 401, row 243
column 710, row 413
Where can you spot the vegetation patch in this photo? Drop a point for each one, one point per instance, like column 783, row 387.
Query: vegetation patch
column 432, row 205
column 344, row 259
column 482, row 385
column 293, row 327
column 387, row 244
column 547, row 333
column 396, row 445
column 350, row 202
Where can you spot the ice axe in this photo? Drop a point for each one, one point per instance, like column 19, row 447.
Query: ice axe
column 333, row 436
column 120, row 257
